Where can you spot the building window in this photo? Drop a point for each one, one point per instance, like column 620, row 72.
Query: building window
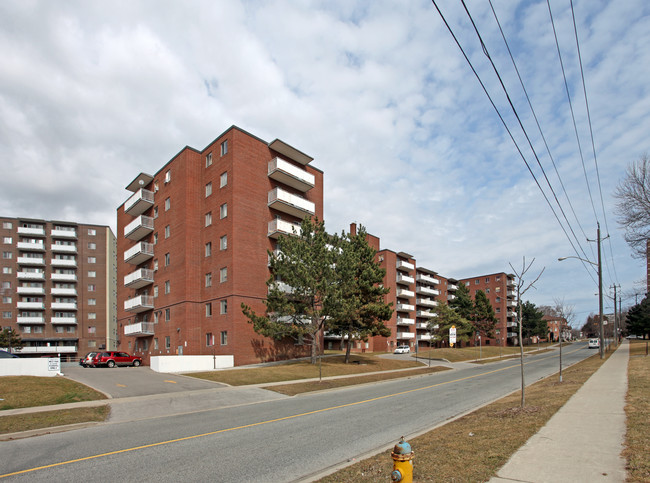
column 6, row 285
column 167, row 231
column 223, row 274
column 168, row 204
column 92, row 259
column 91, row 287
column 7, row 225
column 92, row 330
column 224, row 307
column 487, row 279
column 92, row 232
column 477, row 281
column 208, row 249
column 168, row 315
column 224, row 147
column 92, row 274
column 92, row 245
column 92, row 301
column 224, row 337
column 209, row 339
column 92, row 316
column 208, row 218
column 155, row 212
column 155, row 238
column 223, row 242
column 7, row 255
column 6, row 270
column 168, row 176
column 167, row 259
column 155, row 343
column 223, row 179
column 6, row 299
column 487, row 290
column 497, row 290
column 223, row 211
column 167, row 286
column 7, row 239
column 208, row 189
column 168, row 342
column 208, row 160
column 208, row 309
column 498, row 310
column 6, row 314
column 155, row 291
column 208, row 279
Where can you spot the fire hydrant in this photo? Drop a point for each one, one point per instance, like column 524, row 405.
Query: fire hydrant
column 402, row 462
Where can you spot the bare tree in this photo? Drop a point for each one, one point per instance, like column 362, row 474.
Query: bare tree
column 566, row 314
column 633, row 207
column 520, row 292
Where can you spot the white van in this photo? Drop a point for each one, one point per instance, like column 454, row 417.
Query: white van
column 594, row 343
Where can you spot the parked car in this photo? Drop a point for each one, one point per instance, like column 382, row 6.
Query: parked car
column 114, row 358
column 402, row 349
column 7, row 355
column 87, row 360
column 594, row 344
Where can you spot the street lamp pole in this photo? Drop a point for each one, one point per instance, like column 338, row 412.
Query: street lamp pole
column 599, row 266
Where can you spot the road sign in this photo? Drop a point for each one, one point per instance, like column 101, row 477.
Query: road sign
column 452, row 335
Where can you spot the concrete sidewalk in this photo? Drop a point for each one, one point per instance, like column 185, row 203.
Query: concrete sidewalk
column 583, row 441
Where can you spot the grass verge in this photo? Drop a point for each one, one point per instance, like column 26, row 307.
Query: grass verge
column 48, row 419
column 637, row 438
column 31, row 391
column 469, row 354
column 475, row 446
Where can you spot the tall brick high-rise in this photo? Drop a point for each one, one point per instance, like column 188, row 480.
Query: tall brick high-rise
column 58, row 286
column 193, row 241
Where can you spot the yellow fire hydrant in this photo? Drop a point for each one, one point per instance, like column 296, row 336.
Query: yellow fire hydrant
column 402, row 462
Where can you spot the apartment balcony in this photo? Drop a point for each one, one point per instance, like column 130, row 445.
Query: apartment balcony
column 426, row 302
column 71, row 320
column 139, row 253
column 28, row 231
column 451, row 296
column 405, row 321
column 70, row 234
column 426, row 314
column 31, row 261
column 72, row 292
column 139, row 228
column 422, row 325
column 30, row 305
column 405, row 335
column 141, row 303
column 510, row 313
column 138, row 279
column 52, row 349
column 61, row 248
column 32, row 320
column 30, row 275
column 404, row 279
column 512, row 324
column 30, row 290
column 424, row 290
column 511, row 334
column 402, row 292
column 140, row 202
column 279, row 227
column 404, row 307
column 38, row 246
column 510, row 293
column 511, row 303
column 421, row 277
column 403, row 265
column 425, row 337
column 59, row 262
column 286, row 173
column 63, row 277
column 294, row 205
column 511, row 282
column 452, row 286
column 283, row 287
column 139, row 328
column 63, row 305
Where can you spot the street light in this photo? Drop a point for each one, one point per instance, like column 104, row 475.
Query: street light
column 600, row 292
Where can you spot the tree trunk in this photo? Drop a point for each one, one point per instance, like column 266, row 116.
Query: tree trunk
column 348, row 348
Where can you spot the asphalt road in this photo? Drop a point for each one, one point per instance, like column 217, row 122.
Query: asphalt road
column 287, row 439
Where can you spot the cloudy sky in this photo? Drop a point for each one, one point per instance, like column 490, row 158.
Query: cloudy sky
column 94, row 92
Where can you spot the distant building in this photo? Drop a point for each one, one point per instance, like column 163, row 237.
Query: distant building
column 556, row 326
column 58, row 286
column 193, row 242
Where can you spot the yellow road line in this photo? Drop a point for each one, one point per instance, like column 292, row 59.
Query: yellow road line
column 211, row 433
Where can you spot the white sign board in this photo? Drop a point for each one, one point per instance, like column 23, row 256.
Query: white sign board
column 54, row 364
column 452, row 335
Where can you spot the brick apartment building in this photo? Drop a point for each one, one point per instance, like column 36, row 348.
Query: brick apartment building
column 500, row 291
column 555, row 326
column 192, row 246
column 58, row 286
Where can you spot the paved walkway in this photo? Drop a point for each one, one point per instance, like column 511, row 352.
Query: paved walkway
column 583, row 441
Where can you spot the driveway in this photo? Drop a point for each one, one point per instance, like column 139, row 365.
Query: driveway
column 121, row 382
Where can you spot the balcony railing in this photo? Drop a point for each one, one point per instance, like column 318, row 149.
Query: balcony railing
column 426, row 314
column 63, row 306
column 138, row 253
column 422, row 289
column 402, row 292
column 405, row 321
column 58, row 262
column 72, row 320
column 138, row 228
column 512, row 334
column 404, row 307
column 139, row 328
column 29, row 231
column 33, row 246
column 61, row 233
column 403, row 265
column 424, row 336
column 405, row 335
column 286, row 173
column 427, row 302
column 30, row 305
column 279, row 227
column 141, row 303
column 138, row 279
column 30, row 275
column 54, row 349
column 140, row 202
column 404, row 279
column 63, row 277
column 30, row 290
column 30, row 320
column 452, row 286
column 64, row 291
column 295, row 205
column 40, row 261
column 511, row 324
column 421, row 277
column 422, row 325
column 61, row 248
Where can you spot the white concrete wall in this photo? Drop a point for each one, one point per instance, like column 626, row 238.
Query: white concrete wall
column 43, row 367
column 190, row 363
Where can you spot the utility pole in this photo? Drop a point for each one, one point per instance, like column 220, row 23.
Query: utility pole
column 616, row 316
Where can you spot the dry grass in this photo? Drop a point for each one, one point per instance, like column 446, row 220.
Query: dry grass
column 48, row 419
column 476, row 353
column 637, row 439
column 31, row 391
column 331, row 366
column 475, row 446
column 301, row 387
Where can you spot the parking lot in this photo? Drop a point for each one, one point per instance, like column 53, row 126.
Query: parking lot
column 121, row 382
